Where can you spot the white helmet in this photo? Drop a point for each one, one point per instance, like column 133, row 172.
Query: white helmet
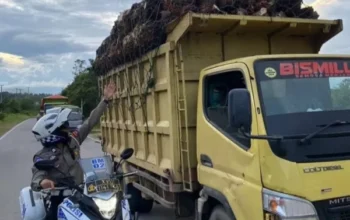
column 47, row 128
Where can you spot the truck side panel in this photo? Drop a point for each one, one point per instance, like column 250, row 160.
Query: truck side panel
column 143, row 116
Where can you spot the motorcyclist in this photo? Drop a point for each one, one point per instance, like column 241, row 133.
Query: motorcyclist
column 63, row 146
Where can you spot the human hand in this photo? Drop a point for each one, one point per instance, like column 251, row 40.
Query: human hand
column 47, row 184
column 109, row 90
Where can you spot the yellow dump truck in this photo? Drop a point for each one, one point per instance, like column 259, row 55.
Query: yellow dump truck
column 236, row 117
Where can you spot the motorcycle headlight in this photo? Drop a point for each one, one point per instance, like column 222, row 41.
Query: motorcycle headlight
column 288, row 207
column 107, row 207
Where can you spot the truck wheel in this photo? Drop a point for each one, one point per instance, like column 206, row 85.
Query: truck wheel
column 219, row 213
column 136, row 202
column 146, row 205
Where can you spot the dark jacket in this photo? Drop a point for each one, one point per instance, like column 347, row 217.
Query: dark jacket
column 67, row 154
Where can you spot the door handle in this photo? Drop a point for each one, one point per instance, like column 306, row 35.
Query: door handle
column 206, row 161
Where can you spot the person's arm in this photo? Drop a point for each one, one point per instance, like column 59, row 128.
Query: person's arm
column 85, row 129
column 38, row 176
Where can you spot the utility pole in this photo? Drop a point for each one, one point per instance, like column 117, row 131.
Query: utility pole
column 28, row 90
column 82, row 102
column 1, row 93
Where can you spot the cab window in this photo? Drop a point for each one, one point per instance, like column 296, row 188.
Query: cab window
column 216, row 89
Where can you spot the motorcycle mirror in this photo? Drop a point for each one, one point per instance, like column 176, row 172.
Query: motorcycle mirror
column 127, row 153
column 45, row 165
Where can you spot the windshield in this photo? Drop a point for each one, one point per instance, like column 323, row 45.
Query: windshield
column 53, row 110
column 286, row 96
column 75, row 116
column 98, row 173
column 297, row 96
column 48, row 106
column 97, row 168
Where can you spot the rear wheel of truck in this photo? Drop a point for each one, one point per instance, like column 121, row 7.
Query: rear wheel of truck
column 219, row 213
column 146, row 205
column 136, row 202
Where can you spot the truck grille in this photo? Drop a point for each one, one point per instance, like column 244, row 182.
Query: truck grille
column 345, row 215
column 327, row 211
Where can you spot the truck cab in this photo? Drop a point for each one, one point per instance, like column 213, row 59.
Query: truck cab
column 277, row 145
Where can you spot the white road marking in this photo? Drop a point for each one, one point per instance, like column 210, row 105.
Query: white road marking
column 12, row 129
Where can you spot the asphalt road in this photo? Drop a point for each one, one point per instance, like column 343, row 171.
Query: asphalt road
column 16, row 152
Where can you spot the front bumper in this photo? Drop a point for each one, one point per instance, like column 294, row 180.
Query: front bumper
column 333, row 209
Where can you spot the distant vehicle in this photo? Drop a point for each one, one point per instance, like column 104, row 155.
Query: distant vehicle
column 50, row 102
column 76, row 118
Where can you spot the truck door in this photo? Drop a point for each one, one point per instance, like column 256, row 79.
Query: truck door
column 228, row 162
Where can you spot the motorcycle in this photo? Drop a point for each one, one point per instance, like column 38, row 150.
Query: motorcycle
column 100, row 197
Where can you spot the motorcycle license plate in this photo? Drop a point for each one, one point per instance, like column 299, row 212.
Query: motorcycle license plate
column 103, row 186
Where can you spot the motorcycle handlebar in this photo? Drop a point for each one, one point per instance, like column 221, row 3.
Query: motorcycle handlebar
column 56, row 189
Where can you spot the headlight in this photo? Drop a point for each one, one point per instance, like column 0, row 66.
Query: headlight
column 288, row 207
column 107, row 207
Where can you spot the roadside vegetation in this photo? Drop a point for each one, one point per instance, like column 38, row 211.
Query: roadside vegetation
column 16, row 108
column 83, row 91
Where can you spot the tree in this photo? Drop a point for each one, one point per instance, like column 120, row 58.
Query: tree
column 13, row 106
column 27, row 104
column 79, row 67
column 341, row 95
column 83, row 91
column 20, row 103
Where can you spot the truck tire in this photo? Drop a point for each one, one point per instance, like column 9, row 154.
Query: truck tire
column 146, row 205
column 219, row 213
column 136, row 202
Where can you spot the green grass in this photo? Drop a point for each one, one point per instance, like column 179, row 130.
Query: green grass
column 11, row 120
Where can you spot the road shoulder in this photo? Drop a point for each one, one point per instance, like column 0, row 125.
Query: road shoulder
column 7, row 126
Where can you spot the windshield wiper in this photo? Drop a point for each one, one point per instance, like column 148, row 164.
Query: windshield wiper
column 267, row 137
column 324, row 127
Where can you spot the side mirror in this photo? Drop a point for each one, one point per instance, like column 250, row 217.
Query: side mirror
column 127, row 153
column 239, row 109
column 45, row 164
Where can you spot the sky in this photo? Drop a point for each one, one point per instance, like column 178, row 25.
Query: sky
column 41, row 39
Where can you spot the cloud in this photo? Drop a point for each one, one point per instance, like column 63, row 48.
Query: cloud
column 10, row 60
column 41, row 39
column 10, row 4
column 317, row 4
column 53, row 83
column 43, row 67
column 106, row 18
column 31, row 43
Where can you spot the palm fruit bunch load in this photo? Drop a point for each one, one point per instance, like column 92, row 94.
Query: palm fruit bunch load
column 142, row 28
